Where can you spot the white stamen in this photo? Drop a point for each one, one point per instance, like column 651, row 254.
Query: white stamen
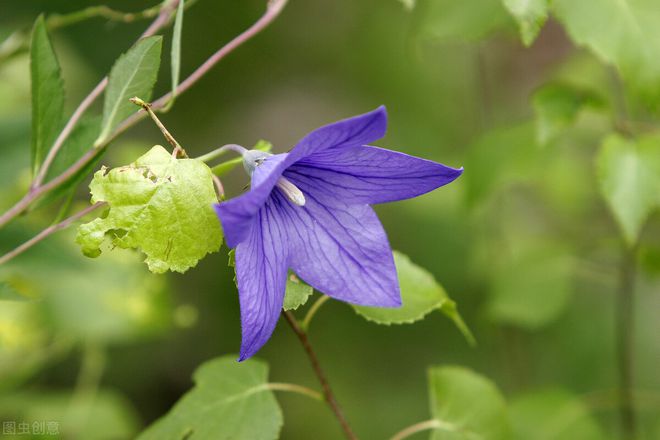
column 291, row 191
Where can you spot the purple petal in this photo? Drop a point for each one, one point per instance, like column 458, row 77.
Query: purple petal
column 238, row 214
column 372, row 175
column 261, row 269
column 341, row 250
column 355, row 131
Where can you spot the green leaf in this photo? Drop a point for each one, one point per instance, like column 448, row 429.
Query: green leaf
column 466, row 20
column 631, row 42
column 530, row 15
column 47, row 94
column 420, row 293
column 553, row 415
column 297, row 292
column 108, row 416
column 533, row 288
column 176, row 48
column 557, row 107
column 467, row 406
column 225, row 167
column 77, row 144
column 629, row 180
column 158, row 204
column 230, row 400
column 134, row 74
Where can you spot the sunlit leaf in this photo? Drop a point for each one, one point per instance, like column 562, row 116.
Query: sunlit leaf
column 629, row 179
column 230, row 400
column 553, row 415
column 159, row 204
column 530, row 15
column 420, row 293
column 47, row 94
column 631, row 41
column 466, row 406
column 134, row 74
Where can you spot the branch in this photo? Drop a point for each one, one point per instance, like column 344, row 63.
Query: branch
column 327, row 391
column 273, row 10
column 18, row 42
column 50, row 230
column 163, row 17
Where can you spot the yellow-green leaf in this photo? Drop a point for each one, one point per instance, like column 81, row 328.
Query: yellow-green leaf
column 158, row 204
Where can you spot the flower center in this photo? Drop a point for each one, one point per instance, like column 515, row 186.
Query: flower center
column 253, row 158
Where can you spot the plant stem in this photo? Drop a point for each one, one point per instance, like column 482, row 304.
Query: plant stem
column 312, row 311
column 327, row 391
column 163, row 17
column 624, row 340
column 50, row 230
column 18, row 41
column 168, row 136
column 87, row 384
column 295, row 388
column 220, row 151
column 273, row 10
column 417, row 427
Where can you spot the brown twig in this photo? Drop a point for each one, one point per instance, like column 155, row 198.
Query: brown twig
column 327, row 391
column 273, row 10
column 168, row 136
column 50, row 230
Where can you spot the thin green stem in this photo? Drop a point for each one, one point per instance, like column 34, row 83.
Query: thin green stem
column 625, row 322
column 168, row 136
column 221, row 151
column 57, row 21
column 417, row 427
column 312, row 311
column 295, row 388
column 87, row 384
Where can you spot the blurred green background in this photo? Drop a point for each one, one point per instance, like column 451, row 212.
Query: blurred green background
column 523, row 241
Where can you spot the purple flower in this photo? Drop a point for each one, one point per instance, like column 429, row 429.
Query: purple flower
column 308, row 210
